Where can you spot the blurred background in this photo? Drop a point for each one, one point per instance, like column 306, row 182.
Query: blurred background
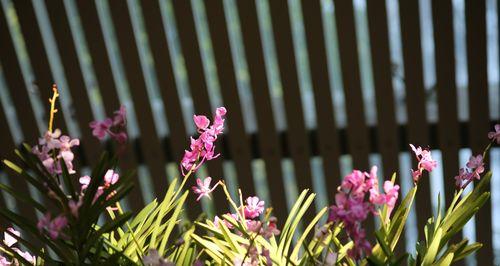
column 313, row 88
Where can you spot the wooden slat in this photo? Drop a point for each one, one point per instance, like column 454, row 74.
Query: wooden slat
column 197, row 83
column 446, row 91
column 38, row 57
column 102, row 66
column 238, row 139
column 152, row 152
column 387, row 137
column 296, row 130
column 267, row 135
column 179, row 139
column 356, row 126
column 418, row 133
column 327, row 132
column 81, row 104
column 475, row 15
column 12, row 73
column 19, row 185
column 384, row 91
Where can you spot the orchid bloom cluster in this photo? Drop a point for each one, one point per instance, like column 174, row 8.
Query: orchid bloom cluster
column 358, row 196
column 53, row 149
column 9, row 240
column 425, row 162
column 203, row 147
column 473, row 170
column 114, row 127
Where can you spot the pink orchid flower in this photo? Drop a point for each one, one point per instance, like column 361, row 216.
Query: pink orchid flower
column 203, row 188
column 8, row 238
column 254, row 207
column 495, row 135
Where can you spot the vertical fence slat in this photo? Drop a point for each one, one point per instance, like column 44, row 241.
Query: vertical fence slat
column 150, row 143
column 12, row 72
column 327, row 132
column 197, row 83
column 297, row 138
column 38, row 56
column 165, row 73
column 384, row 91
column 102, row 66
column 356, row 127
column 387, row 137
column 446, row 91
column 418, row 132
column 475, row 15
column 267, row 135
column 67, row 50
column 238, row 139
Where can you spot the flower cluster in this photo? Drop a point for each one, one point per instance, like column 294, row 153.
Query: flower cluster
column 9, row 240
column 473, row 170
column 114, row 127
column 203, row 148
column 251, row 211
column 53, row 149
column 425, row 162
column 52, row 227
column 359, row 196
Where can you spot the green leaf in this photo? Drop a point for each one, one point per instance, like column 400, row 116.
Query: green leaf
column 433, row 249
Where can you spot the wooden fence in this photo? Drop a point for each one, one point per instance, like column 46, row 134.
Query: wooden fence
column 24, row 38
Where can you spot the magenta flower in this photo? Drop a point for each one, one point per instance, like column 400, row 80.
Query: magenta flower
column 8, row 238
column 203, row 148
column 100, row 128
column 201, row 122
column 353, row 204
column 52, row 227
column 203, row 189
column 425, row 162
column 495, row 135
column 114, row 127
column 475, row 167
column 74, row 206
column 254, row 207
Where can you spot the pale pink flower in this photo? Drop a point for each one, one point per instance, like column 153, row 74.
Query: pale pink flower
column 203, row 188
column 84, row 181
column 110, row 178
column 120, row 117
column 254, row 207
column 4, row 261
column 495, row 135
column 8, row 238
column 254, row 226
column 26, row 255
column 50, row 139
